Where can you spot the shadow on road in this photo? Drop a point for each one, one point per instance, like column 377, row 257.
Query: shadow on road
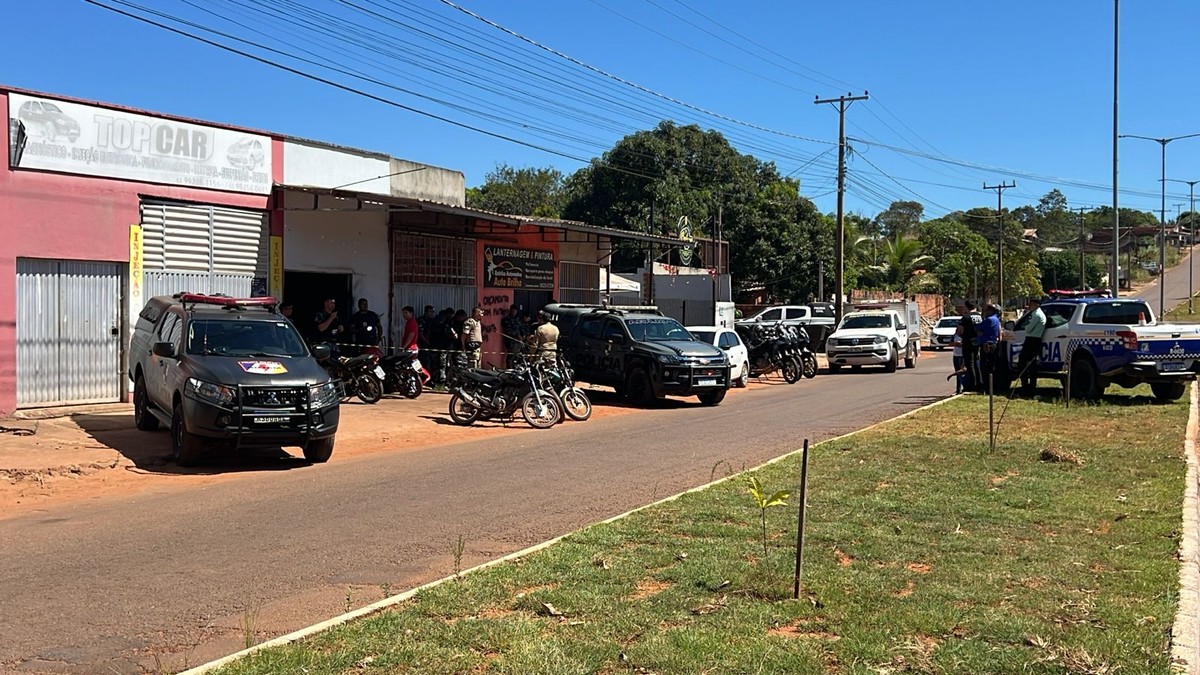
column 150, row 451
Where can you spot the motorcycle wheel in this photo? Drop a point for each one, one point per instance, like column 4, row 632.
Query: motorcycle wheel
column 369, row 388
column 791, row 370
column 810, row 365
column 576, row 403
column 461, row 412
column 541, row 416
column 411, row 386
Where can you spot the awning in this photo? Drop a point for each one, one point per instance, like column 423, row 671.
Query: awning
column 403, row 204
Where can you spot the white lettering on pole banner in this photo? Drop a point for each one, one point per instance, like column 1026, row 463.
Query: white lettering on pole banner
column 93, row 141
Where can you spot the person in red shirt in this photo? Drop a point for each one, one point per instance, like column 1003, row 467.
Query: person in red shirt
column 408, row 340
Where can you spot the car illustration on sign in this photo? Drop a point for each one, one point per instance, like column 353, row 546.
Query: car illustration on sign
column 48, row 120
column 247, row 154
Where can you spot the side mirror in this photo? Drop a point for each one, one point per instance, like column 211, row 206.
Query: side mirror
column 321, row 352
column 616, row 340
column 725, row 347
column 164, row 349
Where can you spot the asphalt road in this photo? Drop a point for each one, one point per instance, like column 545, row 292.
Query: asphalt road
column 1175, row 289
column 106, row 586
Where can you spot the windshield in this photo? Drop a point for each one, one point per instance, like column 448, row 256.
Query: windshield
column 234, row 337
column 872, row 321
column 657, row 330
column 704, row 335
column 949, row 322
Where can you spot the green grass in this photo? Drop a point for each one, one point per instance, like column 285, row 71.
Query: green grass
column 925, row 552
column 1179, row 313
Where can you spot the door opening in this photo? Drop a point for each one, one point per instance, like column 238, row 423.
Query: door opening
column 307, row 292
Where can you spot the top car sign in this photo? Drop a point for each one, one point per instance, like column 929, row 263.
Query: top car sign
column 93, row 141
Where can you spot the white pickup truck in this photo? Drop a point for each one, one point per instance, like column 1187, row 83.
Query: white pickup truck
column 1103, row 341
column 873, row 337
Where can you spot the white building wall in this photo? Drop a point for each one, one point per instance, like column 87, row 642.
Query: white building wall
column 343, row 242
column 321, row 166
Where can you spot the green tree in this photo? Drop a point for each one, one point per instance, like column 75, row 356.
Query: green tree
column 520, row 192
column 1060, row 269
column 900, row 259
column 900, row 219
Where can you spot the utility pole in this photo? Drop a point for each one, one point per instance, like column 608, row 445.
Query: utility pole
column 1082, row 242
column 1000, row 240
column 841, row 103
column 1191, row 236
column 1114, row 278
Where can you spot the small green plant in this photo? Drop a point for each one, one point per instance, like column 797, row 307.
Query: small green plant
column 349, row 597
column 387, row 589
column 249, row 622
column 765, row 502
column 459, row 546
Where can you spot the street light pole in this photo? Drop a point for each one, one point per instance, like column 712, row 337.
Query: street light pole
column 1000, row 242
column 1191, row 238
column 1162, row 216
column 839, row 251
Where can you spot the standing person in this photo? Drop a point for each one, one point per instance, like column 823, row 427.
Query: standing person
column 408, row 339
column 442, row 340
column 1031, row 349
column 960, row 371
column 472, row 337
column 970, row 353
column 285, row 308
column 326, row 325
column 425, row 327
column 513, row 329
column 365, row 329
column 546, row 336
column 988, row 341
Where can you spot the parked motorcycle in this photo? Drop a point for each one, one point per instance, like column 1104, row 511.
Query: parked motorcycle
column 499, row 394
column 770, row 351
column 798, row 347
column 360, row 376
column 402, row 374
column 560, row 379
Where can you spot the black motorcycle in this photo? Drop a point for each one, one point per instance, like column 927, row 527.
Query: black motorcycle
column 557, row 377
column 499, row 394
column 798, row 347
column 359, row 376
column 402, row 374
column 770, row 351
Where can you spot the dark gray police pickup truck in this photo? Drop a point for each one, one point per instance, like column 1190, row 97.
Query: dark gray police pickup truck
column 228, row 371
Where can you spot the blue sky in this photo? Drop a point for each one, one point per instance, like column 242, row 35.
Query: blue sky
column 1024, row 87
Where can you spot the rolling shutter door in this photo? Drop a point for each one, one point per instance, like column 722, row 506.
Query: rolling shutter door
column 203, row 249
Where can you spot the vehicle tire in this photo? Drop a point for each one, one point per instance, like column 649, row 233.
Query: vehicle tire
column 319, row 450
column 890, row 366
column 1085, row 381
column 638, row 387
column 411, row 387
column 910, row 358
column 142, row 417
column 791, row 370
column 809, row 362
column 370, row 389
column 712, row 398
column 461, row 412
column 1168, row 391
column 541, row 416
column 576, row 403
column 186, row 447
column 744, row 380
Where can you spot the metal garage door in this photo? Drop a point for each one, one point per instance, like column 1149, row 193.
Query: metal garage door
column 68, row 332
column 203, row 249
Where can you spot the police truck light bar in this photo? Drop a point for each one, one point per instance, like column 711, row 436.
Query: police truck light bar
column 226, row 301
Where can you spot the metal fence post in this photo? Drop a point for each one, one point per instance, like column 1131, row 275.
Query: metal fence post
column 800, row 525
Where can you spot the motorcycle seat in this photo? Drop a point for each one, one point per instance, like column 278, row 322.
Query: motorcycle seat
column 480, row 376
column 354, row 362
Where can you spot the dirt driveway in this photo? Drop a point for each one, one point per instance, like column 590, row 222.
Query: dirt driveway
column 96, row 452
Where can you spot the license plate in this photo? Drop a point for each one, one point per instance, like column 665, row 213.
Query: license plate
column 1171, row 366
column 706, row 383
column 379, row 372
column 416, row 366
column 270, row 420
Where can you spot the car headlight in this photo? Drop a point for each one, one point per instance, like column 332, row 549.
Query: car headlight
column 323, row 395
column 879, row 339
column 208, row 391
column 669, row 359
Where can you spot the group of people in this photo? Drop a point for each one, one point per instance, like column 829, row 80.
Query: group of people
column 977, row 347
column 355, row 333
column 523, row 336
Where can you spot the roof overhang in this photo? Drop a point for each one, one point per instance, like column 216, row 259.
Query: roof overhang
column 408, row 204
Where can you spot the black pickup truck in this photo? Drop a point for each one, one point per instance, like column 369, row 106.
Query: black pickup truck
column 643, row 355
column 220, row 370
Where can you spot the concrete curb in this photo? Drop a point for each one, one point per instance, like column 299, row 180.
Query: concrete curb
column 1185, row 633
column 397, row 599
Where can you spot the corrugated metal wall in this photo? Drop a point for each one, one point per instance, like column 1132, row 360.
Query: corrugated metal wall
column 68, row 332
column 438, row 295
